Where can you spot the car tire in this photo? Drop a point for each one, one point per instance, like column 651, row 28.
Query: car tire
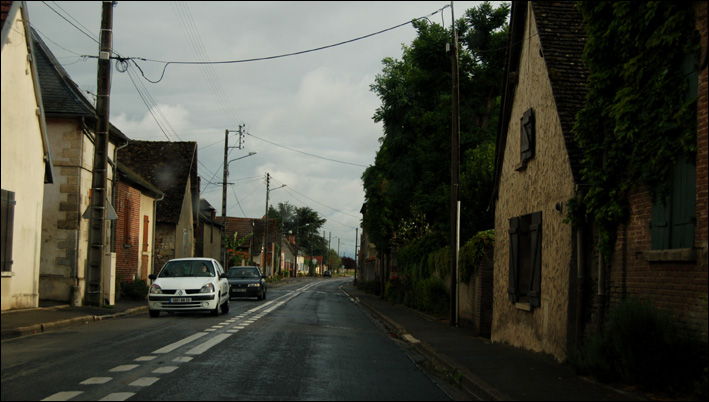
column 225, row 307
column 260, row 296
column 154, row 313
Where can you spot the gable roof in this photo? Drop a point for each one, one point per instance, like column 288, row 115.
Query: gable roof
column 168, row 166
column 61, row 96
column 562, row 36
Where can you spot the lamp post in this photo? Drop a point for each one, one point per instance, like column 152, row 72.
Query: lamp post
column 226, row 174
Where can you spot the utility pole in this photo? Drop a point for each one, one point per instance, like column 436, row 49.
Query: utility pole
column 455, row 173
column 99, row 178
column 225, row 173
column 356, row 254
column 265, row 224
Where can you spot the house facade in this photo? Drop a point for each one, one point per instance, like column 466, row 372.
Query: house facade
column 536, row 173
column 172, row 168
column 26, row 162
column 135, row 204
column 71, row 122
column 208, row 236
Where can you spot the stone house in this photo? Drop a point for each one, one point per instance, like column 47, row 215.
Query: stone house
column 208, row 236
column 537, row 169
column 172, row 168
column 71, row 121
column 26, row 161
column 549, row 282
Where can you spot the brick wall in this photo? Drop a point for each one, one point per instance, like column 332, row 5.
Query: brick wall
column 127, row 235
column 676, row 283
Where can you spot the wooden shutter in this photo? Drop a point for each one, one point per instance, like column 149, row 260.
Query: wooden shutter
column 8, row 224
column 512, row 288
column 527, row 136
column 535, row 235
column 683, row 205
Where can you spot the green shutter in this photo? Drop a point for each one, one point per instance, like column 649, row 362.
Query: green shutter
column 683, row 205
column 512, row 288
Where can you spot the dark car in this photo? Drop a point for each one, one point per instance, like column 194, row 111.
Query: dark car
column 327, row 274
column 246, row 282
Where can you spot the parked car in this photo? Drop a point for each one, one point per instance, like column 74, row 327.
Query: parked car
column 246, row 282
column 189, row 284
column 327, row 274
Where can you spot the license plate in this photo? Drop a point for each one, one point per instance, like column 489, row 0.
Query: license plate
column 180, row 300
column 238, row 290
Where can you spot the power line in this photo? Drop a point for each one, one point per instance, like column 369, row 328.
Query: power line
column 305, row 153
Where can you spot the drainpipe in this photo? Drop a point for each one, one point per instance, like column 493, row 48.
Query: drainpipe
column 580, row 274
column 155, row 220
column 114, row 164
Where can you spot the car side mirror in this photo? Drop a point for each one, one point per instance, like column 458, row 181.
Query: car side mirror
column 153, row 276
column 264, row 276
column 223, row 276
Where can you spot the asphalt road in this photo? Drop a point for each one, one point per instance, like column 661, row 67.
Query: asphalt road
column 306, row 341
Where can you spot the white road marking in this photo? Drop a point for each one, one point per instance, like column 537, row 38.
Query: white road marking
column 145, row 358
column 96, row 380
column 117, row 396
column 169, row 348
column 182, row 359
column 63, row 396
column 125, row 367
column 165, row 369
column 208, row 344
column 144, row 382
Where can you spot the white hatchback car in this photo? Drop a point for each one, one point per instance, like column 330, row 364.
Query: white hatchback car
column 189, row 284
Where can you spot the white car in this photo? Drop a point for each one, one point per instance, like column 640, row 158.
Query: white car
column 189, row 284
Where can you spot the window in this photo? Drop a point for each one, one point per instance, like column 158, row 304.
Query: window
column 7, row 222
column 528, row 132
column 673, row 217
column 525, row 259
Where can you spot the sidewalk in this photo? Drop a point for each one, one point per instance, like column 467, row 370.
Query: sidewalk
column 488, row 371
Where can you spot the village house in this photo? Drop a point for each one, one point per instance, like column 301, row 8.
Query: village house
column 549, row 282
column 71, row 122
column 26, row 161
column 208, row 235
column 172, row 168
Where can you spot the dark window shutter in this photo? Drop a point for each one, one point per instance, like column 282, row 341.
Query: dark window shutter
column 535, row 235
column 8, row 223
column 512, row 288
column 683, row 205
column 660, row 225
column 527, row 136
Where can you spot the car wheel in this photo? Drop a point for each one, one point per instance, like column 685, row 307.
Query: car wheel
column 264, row 294
column 154, row 313
column 260, row 296
column 225, row 307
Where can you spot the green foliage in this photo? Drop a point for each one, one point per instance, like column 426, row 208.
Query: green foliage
column 637, row 121
column 429, row 295
column 407, row 190
column 136, row 289
column 472, row 253
column 641, row 346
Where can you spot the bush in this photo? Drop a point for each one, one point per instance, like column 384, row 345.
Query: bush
column 641, row 346
column 133, row 289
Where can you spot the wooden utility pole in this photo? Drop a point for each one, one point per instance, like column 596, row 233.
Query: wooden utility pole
column 455, row 174
column 99, row 180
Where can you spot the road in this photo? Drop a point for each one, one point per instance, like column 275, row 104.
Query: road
column 307, row 341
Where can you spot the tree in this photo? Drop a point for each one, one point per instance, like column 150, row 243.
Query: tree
column 303, row 222
column 407, row 189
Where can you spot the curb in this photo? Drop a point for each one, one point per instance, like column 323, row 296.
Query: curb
column 70, row 322
column 469, row 382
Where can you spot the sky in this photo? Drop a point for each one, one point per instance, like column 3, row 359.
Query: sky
column 307, row 117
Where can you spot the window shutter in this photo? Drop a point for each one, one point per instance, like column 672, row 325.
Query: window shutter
column 8, row 223
column 683, row 205
column 660, row 225
column 512, row 289
column 527, row 136
column 535, row 235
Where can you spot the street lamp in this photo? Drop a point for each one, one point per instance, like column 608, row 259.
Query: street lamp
column 226, row 174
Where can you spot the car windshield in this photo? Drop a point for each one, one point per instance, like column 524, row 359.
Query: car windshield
column 179, row 269
column 248, row 272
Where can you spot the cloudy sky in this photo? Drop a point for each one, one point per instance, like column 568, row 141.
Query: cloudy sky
column 308, row 117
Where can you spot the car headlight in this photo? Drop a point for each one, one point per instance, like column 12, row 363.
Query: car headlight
column 254, row 285
column 155, row 289
column 208, row 288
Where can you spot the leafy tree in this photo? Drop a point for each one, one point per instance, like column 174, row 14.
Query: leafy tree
column 407, row 189
column 303, row 222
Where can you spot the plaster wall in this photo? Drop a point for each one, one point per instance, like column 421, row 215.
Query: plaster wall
column 545, row 183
